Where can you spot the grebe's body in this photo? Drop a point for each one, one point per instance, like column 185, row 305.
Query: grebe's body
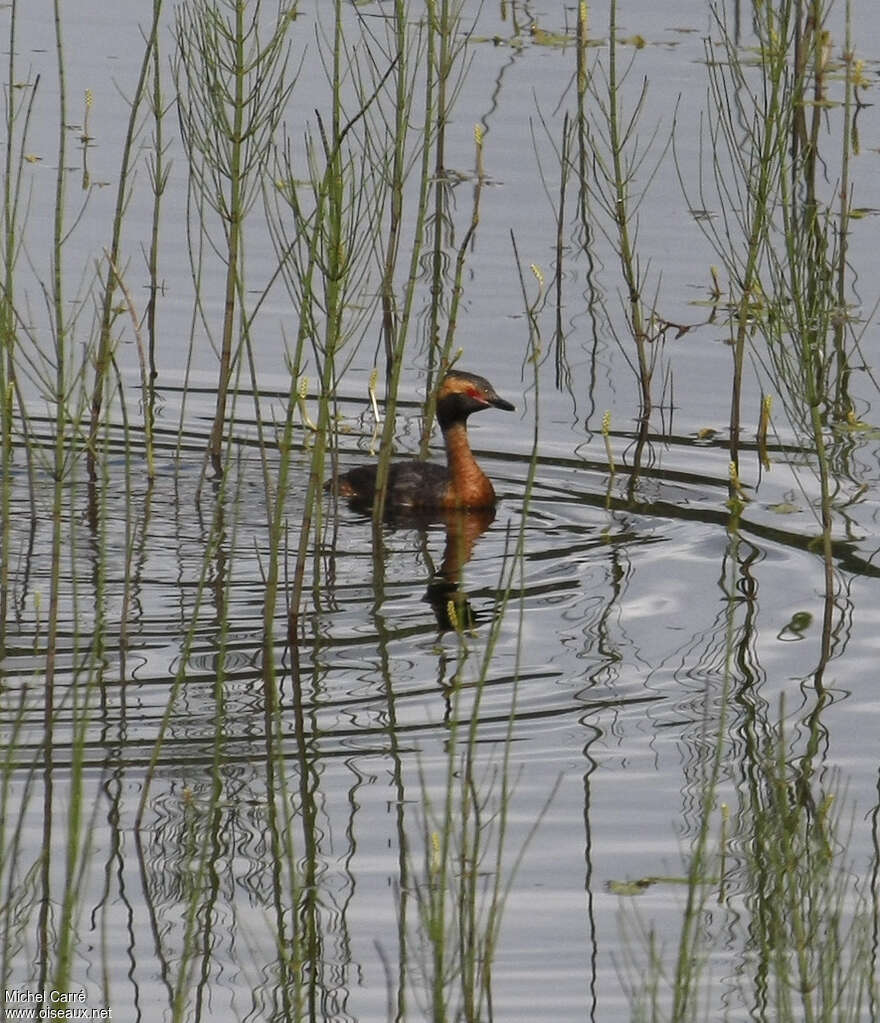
column 424, row 486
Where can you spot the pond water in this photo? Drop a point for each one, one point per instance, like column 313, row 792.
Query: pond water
column 616, row 623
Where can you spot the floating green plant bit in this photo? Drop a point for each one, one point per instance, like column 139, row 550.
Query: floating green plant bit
column 640, row 884
column 629, row 888
column 796, row 626
column 784, row 508
column 541, row 37
column 855, row 425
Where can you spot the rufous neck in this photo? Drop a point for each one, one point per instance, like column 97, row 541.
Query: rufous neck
column 469, row 484
column 458, row 448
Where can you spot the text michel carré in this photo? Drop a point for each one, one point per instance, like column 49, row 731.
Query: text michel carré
column 19, row 995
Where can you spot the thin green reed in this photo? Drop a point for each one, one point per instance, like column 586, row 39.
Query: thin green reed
column 113, row 278
column 232, row 92
column 795, row 879
column 759, row 167
column 305, row 255
column 328, row 257
column 797, row 931
column 467, row 870
column 747, row 137
column 330, row 232
column 59, row 328
column 443, row 352
column 404, row 57
column 88, row 657
column 448, row 62
column 203, row 818
column 582, row 81
column 616, row 167
column 326, row 260
column 209, row 841
column 446, row 16
column 843, row 407
column 17, row 122
column 158, row 168
column 465, row 875
column 64, row 382
column 609, row 143
column 299, row 264
column 691, row 953
column 17, row 885
column 404, row 93
column 783, row 253
column 482, row 924
column 452, row 62
column 800, row 886
column 621, row 207
column 805, row 278
column 396, row 750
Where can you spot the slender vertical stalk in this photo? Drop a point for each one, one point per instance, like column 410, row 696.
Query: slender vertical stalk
column 807, row 276
column 402, row 105
column 233, row 229
column 328, row 251
column 438, row 12
column 9, row 387
column 445, row 350
column 7, row 368
column 842, row 401
column 583, row 138
column 159, row 171
column 775, row 164
column 757, row 160
column 688, row 958
column 59, row 327
column 104, row 350
column 332, row 338
column 621, row 207
column 232, row 93
column 428, row 133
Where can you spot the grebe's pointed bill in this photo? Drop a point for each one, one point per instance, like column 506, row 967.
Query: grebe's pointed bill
column 505, row 406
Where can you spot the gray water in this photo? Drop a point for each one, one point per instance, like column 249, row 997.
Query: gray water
column 609, row 664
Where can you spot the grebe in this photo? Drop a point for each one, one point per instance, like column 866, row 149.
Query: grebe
column 415, row 485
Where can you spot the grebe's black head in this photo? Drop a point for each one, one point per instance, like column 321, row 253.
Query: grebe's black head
column 461, row 393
